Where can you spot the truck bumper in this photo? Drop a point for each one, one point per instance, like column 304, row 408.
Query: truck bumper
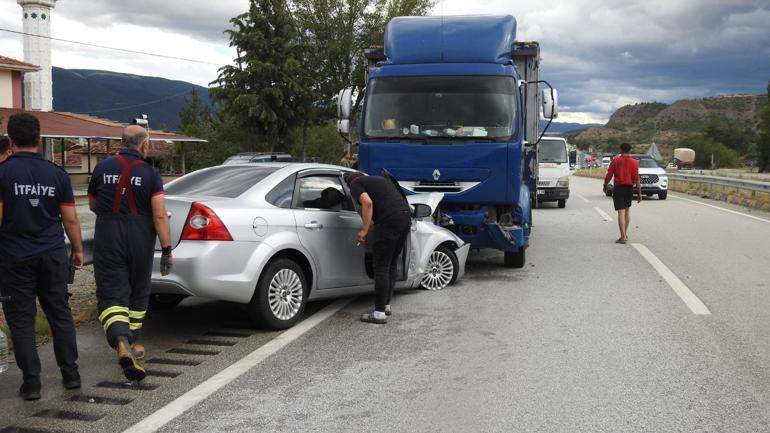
column 552, row 194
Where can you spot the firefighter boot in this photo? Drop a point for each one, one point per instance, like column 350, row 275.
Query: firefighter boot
column 131, row 369
column 138, row 350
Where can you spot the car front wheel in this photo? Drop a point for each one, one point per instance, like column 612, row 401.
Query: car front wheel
column 441, row 270
column 281, row 295
column 662, row 195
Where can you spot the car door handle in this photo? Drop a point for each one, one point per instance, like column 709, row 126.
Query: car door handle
column 314, row 225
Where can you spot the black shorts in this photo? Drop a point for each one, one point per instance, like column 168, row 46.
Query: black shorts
column 622, row 196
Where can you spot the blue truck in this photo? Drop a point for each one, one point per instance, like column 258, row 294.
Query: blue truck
column 451, row 105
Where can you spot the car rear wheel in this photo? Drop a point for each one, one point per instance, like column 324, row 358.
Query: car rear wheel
column 441, row 270
column 281, row 295
column 515, row 260
column 164, row 301
column 662, row 195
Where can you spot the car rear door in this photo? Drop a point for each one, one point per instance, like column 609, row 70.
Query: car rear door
column 327, row 226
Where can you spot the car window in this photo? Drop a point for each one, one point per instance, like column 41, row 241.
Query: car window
column 281, row 195
column 222, row 181
column 322, row 192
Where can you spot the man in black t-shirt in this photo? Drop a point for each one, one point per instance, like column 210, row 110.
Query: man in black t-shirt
column 381, row 201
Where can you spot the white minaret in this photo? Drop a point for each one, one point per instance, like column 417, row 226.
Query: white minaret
column 38, row 93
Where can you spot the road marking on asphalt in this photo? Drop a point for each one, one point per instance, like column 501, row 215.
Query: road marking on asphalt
column 693, row 303
column 603, row 214
column 584, row 199
column 201, row 392
column 722, row 209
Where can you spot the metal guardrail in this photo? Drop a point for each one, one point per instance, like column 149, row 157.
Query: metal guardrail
column 752, row 185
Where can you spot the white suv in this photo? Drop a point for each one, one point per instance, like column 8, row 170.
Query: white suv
column 654, row 179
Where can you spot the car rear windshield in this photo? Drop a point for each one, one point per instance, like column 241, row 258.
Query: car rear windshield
column 222, row 181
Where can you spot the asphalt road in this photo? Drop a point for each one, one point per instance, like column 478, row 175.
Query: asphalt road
column 588, row 337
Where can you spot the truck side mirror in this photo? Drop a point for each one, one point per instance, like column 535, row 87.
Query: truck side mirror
column 550, row 98
column 421, row 210
column 343, row 126
column 345, row 103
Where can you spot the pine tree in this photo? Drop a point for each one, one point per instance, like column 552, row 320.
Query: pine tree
column 266, row 92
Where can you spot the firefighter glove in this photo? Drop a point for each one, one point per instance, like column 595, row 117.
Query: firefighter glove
column 166, row 262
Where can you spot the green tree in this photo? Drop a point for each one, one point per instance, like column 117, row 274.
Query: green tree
column 705, row 147
column 338, row 31
column 763, row 140
column 266, row 92
column 729, row 134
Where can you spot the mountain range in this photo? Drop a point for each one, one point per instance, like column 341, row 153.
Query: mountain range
column 121, row 97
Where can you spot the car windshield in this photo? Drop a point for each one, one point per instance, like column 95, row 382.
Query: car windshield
column 222, row 181
column 238, row 159
column 552, row 151
column 647, row 163
column 480, row 108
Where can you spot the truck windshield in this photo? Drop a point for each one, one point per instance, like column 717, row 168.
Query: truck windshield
column 480, row 108
column 552, row 151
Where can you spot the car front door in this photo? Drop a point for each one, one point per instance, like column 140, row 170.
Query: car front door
column 327, row 227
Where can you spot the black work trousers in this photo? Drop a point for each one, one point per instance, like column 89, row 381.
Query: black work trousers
column 43, row 277
column 124, row 246
column 389, row 238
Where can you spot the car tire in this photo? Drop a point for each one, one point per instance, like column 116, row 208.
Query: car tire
column 562, row 203
column 442, row 269
column 281, row 295
column 662, row 195
column 164, row 301
column 515, row 260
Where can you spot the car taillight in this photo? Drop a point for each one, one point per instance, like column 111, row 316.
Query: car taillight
column 203, row 224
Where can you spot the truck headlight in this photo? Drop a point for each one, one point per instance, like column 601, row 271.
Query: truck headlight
column 563, row 182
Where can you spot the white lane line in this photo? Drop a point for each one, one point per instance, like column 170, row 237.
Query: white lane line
column 603, row 214
column 584, row 199
column 201, row 392
column 681, row 289
column 722, row 209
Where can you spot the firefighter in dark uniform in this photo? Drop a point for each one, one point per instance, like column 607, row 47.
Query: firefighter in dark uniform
column 126, row 194
column 35, row 200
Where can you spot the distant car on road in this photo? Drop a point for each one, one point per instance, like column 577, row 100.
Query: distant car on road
column 606, row 161
column 274, row 236
column 245, row 157
column 654, row 179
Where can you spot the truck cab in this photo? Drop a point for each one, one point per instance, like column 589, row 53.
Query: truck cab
column 451, row 106
column 553, row 171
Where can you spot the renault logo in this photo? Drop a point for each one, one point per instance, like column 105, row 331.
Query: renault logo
column 436, row 175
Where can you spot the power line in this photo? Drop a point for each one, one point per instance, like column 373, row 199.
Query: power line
column 109, row 48
column 165, row 98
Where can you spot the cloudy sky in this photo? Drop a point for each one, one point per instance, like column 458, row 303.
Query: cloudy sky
column 600, row 54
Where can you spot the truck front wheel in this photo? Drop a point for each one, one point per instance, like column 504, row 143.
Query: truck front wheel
column 514, row 260
column 562, row 203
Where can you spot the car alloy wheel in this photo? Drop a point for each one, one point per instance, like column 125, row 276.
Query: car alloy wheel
column 285, row 294
column 440, row 271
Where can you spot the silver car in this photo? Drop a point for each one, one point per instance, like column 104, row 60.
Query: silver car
column 275, row 236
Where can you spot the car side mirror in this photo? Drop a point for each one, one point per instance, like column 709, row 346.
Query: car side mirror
column 422, row 211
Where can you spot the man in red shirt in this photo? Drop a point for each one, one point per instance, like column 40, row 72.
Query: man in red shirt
column 625, row 170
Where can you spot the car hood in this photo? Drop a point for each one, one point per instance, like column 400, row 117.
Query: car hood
column 431, row 199
column 657, row 170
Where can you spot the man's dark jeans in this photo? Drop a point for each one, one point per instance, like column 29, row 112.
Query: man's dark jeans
column 389, row 238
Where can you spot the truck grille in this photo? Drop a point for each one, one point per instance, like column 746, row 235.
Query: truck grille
column 543, row 183
column 427, row 186
column 647, row 179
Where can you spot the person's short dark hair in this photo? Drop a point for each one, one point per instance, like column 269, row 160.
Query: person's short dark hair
column 350, row 177
column 625, row 147
column 344, row 153
column 4, row 144
column 24, row 130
